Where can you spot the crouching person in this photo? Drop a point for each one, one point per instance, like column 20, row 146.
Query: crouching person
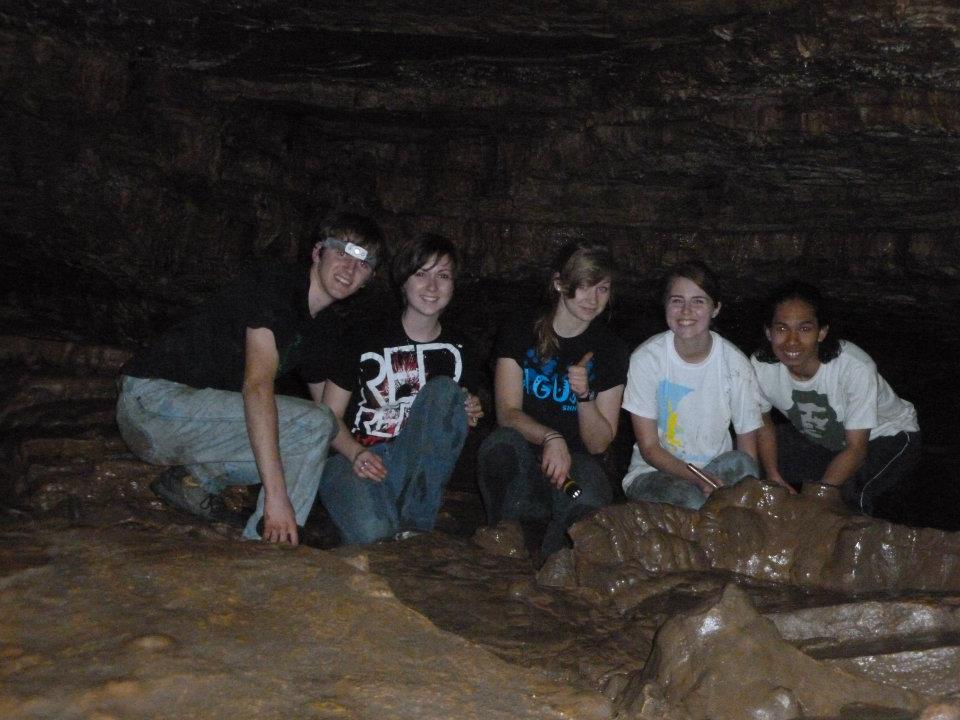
column 201, row 398
column 397, row 396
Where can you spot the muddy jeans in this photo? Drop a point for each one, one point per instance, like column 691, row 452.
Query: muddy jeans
column 166, row 423
column 419, row 463
column 514, row 488
column 660, row 487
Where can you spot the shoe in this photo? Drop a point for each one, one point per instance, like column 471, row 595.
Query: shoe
column 180, row 490
column 407, row 534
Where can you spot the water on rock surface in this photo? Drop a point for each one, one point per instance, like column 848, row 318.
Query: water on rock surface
column 115, row 605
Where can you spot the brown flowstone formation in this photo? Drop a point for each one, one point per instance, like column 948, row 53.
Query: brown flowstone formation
column 728, row 661
column 758, row 530
column 93, row 564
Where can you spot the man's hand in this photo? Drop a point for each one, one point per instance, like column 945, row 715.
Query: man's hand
column 777, row 480
column 279, row 522
column 706, row 481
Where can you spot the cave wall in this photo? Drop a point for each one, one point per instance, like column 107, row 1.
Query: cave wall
column 149, row 150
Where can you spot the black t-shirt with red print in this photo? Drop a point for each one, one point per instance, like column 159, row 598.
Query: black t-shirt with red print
column 384, row 370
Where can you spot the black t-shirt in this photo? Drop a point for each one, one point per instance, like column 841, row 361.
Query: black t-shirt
column 385, row 369
column 546, row 393
column 208, row 349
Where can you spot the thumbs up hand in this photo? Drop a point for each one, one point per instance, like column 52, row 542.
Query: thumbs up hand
column 577, row 376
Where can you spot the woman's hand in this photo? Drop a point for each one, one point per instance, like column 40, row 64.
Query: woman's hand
column 706, row 481
column 555, row 460
column 474, row 409
column 707, row 487
column 577, row 376
column 367, row 464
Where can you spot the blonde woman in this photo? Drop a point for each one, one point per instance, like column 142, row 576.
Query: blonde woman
column 558, row 386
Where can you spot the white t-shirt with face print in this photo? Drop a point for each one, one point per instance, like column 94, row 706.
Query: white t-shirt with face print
column 846, row 393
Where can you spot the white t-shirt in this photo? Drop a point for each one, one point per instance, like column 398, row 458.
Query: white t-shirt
column 693, row 404
column 846, row 393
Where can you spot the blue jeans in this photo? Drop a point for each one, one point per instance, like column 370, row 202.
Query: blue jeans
column 660, row 487
column 166, row 423
column 513, row 487
column 419, row 463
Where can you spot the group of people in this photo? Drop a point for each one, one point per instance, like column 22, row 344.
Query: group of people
column 395, row 400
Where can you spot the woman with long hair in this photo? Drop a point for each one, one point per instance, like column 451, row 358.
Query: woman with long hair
column 558, row 386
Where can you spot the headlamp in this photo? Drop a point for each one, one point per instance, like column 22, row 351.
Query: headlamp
column 353, row 250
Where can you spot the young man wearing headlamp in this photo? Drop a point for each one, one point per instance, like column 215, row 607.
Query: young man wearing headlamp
column 202, row 397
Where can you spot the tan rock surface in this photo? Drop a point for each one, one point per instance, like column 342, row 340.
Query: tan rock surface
column 112, row 605
column 121, row 624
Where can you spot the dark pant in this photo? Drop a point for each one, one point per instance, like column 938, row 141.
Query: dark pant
column 889, row 461
column 514, row 488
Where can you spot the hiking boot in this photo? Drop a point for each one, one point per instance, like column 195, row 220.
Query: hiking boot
column 180, row 490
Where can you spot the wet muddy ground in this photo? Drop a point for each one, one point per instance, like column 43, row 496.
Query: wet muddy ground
column 64, row 470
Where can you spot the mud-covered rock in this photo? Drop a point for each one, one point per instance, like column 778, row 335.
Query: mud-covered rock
column 726, row 660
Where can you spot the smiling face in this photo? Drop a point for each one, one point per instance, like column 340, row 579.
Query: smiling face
column 689, row 309
column 336, row 274
column 795, row 336
column 430, row 288
column 587, row 302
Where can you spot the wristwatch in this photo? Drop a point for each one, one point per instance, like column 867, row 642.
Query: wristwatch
column 590, row 396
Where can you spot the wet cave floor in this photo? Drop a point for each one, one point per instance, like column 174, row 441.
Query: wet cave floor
column 65, row 473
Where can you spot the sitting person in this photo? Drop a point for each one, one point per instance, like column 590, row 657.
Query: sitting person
column 848, row 430
column 202, row 396
column 396, row 395
column 685, row 387
column 558, row 385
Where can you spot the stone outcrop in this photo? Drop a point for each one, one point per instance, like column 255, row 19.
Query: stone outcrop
column 728, row 661
column 757, row 530
column 142, row 623
column 113, row 601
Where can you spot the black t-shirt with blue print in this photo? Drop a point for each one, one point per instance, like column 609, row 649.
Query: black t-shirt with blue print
column 546, row 393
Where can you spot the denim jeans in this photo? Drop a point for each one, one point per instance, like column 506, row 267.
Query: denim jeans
column 166, row 423
column 513, row 487
column 890, row 460
column 419, row 462
column 660, row 487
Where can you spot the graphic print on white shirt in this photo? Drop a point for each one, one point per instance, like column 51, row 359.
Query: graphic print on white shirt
column 812, row 415
column 669, row 396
